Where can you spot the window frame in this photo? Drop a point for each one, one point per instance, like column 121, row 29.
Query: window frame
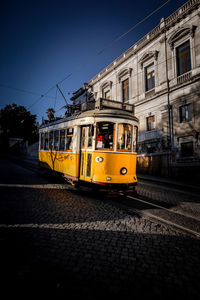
column 187, row 113
column 113, row 139
column 184, row 56
column 52, row 144
column 42, row 139
column 131, row 142
column 135, row 139
column 61, row 136
column 148, row 129
column 151, row 78
column 106, row 91
column 125, row 88
column 90, row 130
column 56, row 137
column 69, row 135
column 178, row 38
column 106, row 87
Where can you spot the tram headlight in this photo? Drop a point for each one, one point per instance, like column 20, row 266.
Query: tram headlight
column 123, row 171
column 108, row 178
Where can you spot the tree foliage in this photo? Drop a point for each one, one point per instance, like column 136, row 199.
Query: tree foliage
column 50, row 114
column 16, row 121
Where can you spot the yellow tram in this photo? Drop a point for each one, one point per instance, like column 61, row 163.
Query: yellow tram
column 95, row 146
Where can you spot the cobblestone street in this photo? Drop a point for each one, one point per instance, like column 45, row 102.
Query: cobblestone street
column 65, row 243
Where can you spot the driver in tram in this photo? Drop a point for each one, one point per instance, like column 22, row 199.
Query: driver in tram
column 100, row 141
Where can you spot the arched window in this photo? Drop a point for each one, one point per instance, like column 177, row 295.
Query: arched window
column 181, row 43
column 148, row 63
column 106, row 90
column 125, row 84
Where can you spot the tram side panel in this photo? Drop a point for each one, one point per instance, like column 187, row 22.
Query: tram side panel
column 66, row 163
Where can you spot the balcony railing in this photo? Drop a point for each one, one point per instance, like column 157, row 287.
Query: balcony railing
column 150, row 135
column 185, row 77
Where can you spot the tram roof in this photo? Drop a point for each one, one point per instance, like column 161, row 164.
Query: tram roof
column 110, row 113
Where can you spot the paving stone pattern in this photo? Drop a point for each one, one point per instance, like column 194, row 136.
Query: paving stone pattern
column 73, row 245
column 179, row 200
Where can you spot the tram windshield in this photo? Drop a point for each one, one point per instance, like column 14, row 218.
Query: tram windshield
column 105, row 135
column 124, row 137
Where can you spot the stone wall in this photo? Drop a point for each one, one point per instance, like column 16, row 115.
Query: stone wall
column 165, row 165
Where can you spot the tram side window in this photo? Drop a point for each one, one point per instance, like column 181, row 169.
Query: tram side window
column 83, row 136
column 135, row 139
column 124, row 137
column 41, row 141
column 51, row 140
column 46, row 141
column 69, row 138
column 105, row 135
column 62, row 140
column 56, row 140
column 90, row 135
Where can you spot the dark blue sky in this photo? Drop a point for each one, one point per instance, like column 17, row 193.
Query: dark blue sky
column 43, row 42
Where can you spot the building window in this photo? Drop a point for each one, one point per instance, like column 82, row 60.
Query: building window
column 125, row 90
column 187, row 149
column 150, row 123
column 183, row 58
column 150, row 77
column 185, row 112
column 106, row 93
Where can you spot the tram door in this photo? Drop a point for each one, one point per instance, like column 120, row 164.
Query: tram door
column 86, row 152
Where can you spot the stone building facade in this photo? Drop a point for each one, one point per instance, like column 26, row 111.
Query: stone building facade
column 160, row 76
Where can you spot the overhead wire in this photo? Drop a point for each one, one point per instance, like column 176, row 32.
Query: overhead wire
column 21, row 90
column 101, row 51
column 134, row 74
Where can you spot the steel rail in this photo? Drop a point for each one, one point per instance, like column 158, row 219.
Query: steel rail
column 161, row 219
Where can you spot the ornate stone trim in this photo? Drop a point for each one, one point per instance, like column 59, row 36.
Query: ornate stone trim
column 181, row 32
column 147, row 56
column 124, row 72
column 106, row 84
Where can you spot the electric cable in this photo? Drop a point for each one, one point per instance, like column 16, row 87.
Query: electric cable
column 101, row 51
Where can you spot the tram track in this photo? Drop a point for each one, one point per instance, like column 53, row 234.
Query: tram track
column 159, row 213
column 156, row 211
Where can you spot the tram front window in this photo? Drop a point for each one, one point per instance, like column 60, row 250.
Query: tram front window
column 124, row 137
column 105, row 135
